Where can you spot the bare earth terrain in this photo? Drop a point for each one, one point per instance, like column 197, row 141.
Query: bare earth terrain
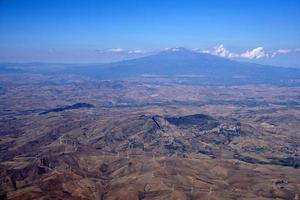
column 72, row 137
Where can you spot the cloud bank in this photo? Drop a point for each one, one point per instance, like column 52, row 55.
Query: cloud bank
column 256, row 53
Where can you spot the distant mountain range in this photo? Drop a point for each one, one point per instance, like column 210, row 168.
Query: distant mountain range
column 185, row 66
column 191, row 67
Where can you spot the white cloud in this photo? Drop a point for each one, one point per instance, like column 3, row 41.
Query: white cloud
column 175, row 49
column 256, row 53
column 204, row 51
column 223, row 52
column 135, row 51
column 115, row 50
column 284, row 51
column 218, row 51
column 119, row 51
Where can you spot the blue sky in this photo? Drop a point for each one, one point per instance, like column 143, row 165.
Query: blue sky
column 40, row 29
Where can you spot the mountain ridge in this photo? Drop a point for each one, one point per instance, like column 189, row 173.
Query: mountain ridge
column 213, row 69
